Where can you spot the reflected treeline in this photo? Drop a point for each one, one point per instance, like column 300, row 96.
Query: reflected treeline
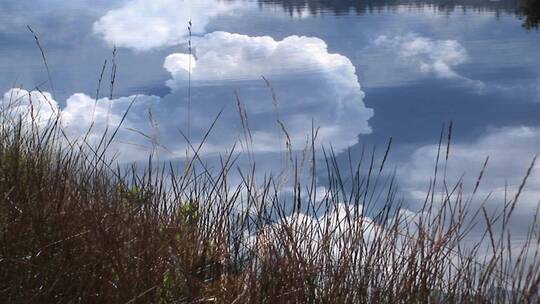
column 529, row 9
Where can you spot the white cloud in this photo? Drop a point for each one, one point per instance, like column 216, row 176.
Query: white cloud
column 148, row 24
column 78, row 114
column 438, row 58
column 29, row 106
column 310, row 83
column 227, row 56
column 81, row 110
column 510, row 151
column 337, row 228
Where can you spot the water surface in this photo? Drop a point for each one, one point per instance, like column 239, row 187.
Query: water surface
column 362, row 71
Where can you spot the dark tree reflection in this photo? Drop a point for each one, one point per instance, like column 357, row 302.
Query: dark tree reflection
column 366, row 6
column 528, row 9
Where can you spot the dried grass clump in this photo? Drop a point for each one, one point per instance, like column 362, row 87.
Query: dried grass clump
column 75, row 227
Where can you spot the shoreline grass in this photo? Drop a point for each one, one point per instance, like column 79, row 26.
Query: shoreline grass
column 75, row 227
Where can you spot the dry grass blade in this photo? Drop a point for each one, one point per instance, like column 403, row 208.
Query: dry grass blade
column 75, row 227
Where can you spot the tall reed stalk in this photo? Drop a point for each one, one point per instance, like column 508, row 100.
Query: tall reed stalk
column 75, row 227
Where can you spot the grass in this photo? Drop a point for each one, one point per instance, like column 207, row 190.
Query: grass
column 75, row 227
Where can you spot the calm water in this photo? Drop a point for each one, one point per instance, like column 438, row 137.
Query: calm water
column 362, row 71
